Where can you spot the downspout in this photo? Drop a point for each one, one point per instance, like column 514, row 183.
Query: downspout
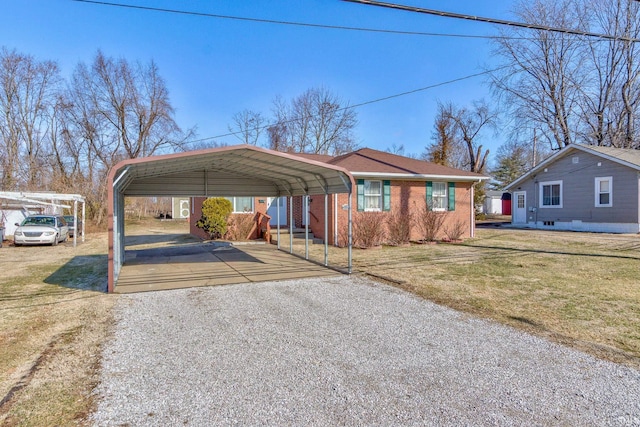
column 472, row 220
column 335, row 219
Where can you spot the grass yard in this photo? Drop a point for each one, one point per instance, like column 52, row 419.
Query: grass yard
column 577, row 289
column 54, row 317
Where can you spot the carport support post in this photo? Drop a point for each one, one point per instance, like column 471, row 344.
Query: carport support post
column 75, row 224
column 350, row 232
column 305, row 215
column 326, row 229
column 290, row 224
column 84, row 218
column 278, row 219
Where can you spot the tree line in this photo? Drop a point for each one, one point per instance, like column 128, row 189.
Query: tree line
column 551, row 89
column 65, row 135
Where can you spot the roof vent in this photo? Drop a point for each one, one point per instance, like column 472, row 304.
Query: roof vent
column 575, row 160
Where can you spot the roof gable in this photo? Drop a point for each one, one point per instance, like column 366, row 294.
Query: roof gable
column 623, row 156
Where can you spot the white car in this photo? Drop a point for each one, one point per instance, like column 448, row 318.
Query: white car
column 41, row 229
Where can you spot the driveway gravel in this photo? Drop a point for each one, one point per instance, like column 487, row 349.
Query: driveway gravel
column 342, row 351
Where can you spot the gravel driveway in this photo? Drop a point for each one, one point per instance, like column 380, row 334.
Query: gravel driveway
column 342, row 351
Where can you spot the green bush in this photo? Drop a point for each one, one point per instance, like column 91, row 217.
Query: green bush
column 215, row 213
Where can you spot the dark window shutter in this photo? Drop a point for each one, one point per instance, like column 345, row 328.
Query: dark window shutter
column 360, row 194
column 429, row 195
column 386, row 195
column 452, row 196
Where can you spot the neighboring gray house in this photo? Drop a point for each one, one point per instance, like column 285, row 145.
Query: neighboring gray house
column 580, row 188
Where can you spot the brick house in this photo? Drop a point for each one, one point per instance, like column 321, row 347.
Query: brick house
column 385, row 182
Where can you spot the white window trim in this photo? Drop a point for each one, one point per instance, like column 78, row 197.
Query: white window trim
column 233, row 205
column 365, row 195
column 445, row 197
column 541, row 193
column 598, row 180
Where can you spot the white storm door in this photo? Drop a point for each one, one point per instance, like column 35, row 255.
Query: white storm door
column 519, row 207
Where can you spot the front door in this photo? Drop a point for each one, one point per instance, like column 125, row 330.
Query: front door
column 272, row 211
column 519, row 207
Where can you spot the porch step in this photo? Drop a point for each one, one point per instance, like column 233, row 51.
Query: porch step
column 285, row 230
column 298, row 236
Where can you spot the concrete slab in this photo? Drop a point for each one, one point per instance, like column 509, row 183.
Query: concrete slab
column 210, row 264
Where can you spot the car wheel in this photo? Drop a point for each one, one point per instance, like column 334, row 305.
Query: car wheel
column 55, row 241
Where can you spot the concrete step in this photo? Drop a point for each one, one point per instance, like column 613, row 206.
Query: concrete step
column 284, row 230
column 298, row 238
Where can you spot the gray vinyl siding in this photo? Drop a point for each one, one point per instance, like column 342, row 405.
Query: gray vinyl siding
column 578, row 191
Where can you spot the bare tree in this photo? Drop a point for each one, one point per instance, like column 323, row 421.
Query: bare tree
column 248, row 126
column 116, row 111
column 574, row 88
column 27, row 96
column 543, row 74
column 314, row 122
column 456, row 135
column 131, row 102
column 469, row 124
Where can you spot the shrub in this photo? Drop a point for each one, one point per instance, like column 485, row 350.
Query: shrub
column 399, row 225
column 343, row 237
column 455, row 230
column 368, row 229
column 215, row 212
column 240, row 226
column 429, row 223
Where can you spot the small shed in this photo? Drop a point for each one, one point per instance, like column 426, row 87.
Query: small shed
column 506, row 203
column 492, row 203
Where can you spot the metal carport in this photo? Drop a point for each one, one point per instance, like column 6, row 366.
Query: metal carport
column 242, row 170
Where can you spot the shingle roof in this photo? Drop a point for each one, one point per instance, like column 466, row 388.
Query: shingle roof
column 367, row 160
column 625, row 154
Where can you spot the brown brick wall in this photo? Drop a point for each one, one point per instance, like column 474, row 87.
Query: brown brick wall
column 406, row 196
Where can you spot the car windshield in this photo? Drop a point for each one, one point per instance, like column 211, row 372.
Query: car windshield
column 40, row 220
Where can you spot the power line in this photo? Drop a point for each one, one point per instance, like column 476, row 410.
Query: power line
column 490, row 20
column 361, row 104
column 293, row 23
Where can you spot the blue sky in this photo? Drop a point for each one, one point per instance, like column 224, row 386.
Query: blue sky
column 215, row 67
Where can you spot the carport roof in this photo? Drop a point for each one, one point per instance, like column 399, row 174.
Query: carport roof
column 242, row 170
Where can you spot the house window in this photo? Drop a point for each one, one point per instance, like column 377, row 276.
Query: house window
column 241, row 204
column 372, row 195
column 439, row 196
column 551, row 194
column 603, row 191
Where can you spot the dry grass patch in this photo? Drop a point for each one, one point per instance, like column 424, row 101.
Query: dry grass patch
column 578, row 289
column 53, row 320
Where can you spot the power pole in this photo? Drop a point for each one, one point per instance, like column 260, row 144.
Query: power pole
column 535, row 147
